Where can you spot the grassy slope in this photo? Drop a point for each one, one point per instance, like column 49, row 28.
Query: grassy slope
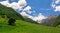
column 21, row 26
column 25, row 27
column 9, row 12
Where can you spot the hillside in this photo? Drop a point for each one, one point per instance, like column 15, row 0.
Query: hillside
column 9, row 12
column 21, row 25
column 25, row 27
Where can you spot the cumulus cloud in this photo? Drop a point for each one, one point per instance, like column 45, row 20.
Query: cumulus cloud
column 55, row 5
column 57, row 1
column 15, row 5
column 36, row 18
column 39, row 17
column 4, row 3
column 27, row 8
column 20, row 6
column 57, row 8
column 25, row 14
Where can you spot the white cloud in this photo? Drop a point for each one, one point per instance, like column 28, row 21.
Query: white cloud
column 25, row 14
column 55, row 6
column 19, row 5
column 15, row 5
column 57, row 1
column 22, row 2
column 29, row 12
column 4, row 3
column 39, row 17
column 36, row 18
column 27, row 8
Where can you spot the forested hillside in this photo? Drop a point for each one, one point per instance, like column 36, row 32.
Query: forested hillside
column 9, row 13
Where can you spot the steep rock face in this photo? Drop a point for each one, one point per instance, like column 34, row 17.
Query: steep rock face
column 49, row 21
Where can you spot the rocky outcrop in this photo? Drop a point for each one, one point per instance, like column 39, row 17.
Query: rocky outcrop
column 49, row 21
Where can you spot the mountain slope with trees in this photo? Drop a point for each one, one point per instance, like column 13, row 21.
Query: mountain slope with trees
column 9, row 12
column 57, row 21
column 21, row 26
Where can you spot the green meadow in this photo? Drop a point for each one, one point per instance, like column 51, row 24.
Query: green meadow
column 21, row 26
column 25, row 27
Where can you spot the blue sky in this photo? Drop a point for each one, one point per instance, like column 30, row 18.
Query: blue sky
column 40, row 6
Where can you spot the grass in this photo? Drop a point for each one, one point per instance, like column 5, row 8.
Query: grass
column 25, row 27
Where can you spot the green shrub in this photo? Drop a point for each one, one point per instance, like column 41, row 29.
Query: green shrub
column 11, row 21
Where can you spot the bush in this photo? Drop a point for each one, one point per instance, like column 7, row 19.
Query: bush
column 11, row 21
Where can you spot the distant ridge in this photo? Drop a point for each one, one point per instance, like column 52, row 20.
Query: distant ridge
column 50, row 20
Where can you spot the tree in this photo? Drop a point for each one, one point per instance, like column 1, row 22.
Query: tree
column 11, row 21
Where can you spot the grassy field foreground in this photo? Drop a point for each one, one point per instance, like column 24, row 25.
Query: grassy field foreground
column 25, row 27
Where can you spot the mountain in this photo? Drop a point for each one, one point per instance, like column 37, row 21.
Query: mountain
column 49, row 21
column 21, row 25
column 57, row 22
column 52, row 20
column 9, row 12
